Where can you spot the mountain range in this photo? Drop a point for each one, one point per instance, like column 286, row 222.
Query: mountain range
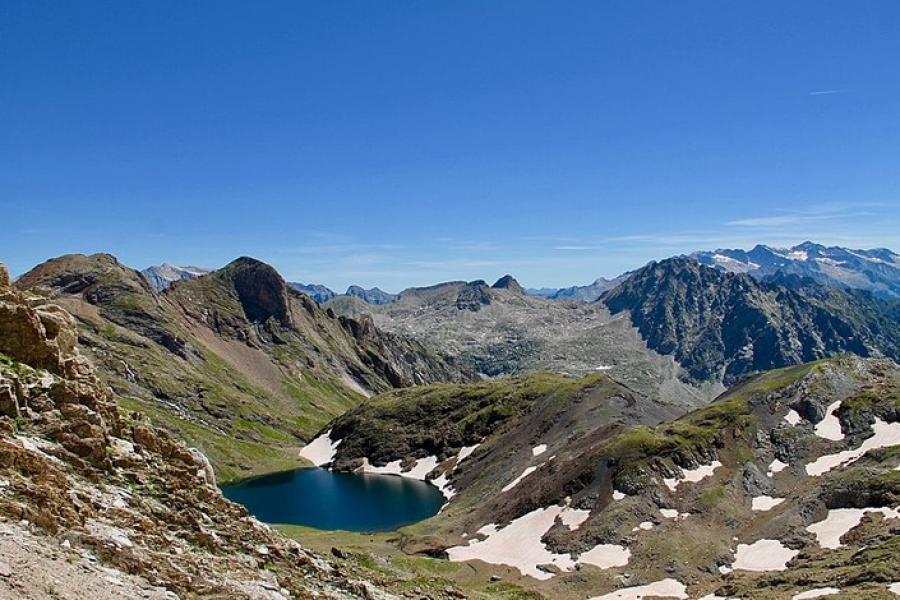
column 693, row 432
column 725, row 325
column 875, row 270
column 162, row 276
column 235, row 361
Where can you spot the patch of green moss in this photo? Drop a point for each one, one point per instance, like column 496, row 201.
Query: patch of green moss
column 865, row 401
column 21, row 370
column 699, row 430
column 449, row 416
column 711, row 497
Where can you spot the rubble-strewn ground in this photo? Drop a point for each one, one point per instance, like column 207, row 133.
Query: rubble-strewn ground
column 33, row 567
column 508, row 332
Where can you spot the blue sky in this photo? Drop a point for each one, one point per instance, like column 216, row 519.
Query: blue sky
column 404, row 143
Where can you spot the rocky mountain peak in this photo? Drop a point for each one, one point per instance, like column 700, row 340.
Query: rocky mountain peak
column 162, row 276
column 262, row 292
column 508, row 282
column 473, row 296
column 317, row 292
column 97, row 276
column 725, row 325
column 4, row 275
column 371, row 296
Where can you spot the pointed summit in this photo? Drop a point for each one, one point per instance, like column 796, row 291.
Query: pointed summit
column 262, row 292
column 508, row 282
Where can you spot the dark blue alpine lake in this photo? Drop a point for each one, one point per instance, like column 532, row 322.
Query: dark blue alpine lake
column 330, row 500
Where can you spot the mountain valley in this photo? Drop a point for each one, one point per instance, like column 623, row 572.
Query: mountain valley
column 691, row 433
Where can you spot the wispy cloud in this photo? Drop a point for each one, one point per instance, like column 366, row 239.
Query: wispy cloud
column 827, row 92
column 561, row 258
column 810, row 214
column 765, row 221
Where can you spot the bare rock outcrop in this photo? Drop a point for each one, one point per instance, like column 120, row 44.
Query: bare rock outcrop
column 79, row 479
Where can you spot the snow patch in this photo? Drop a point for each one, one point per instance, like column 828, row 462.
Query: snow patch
column 617, row 495
column 392, row 468
column 465, row 452
column 539, row 449
column 321, row 450
column 894, row 588
column 528, row 471
column 573, row 518
column 443, row 483
column 763, row 555
column 885, row 434
column 644, row 526
column 816, row 593
column 665, row 588
column 776, row 467
column 420, row 469
column 692, row 475
column 839, row 521
column 763, row 503
column 606, row 556
column 793, row 417
column 829, row 427
column 519, row 545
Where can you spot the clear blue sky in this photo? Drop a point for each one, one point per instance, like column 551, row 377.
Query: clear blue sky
column 404, row 143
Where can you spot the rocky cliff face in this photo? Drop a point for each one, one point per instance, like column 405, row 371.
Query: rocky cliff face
column 725, row 325
column 97, row 502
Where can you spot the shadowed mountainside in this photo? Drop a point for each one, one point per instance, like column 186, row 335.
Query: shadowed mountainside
column 722, row 325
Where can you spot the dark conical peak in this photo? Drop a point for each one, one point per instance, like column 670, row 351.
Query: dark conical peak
column 508, row 282
column 261, row 290
column 248, row 262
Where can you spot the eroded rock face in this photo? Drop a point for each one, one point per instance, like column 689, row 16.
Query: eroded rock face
column 122, row 491
column 726, row 325
column 472, row 297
